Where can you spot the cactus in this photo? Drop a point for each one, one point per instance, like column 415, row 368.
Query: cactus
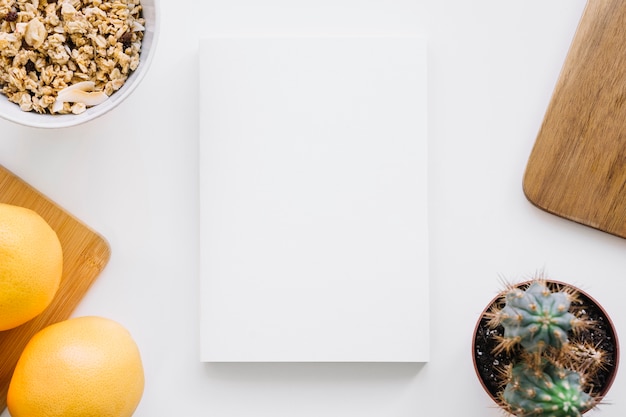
column 549, row 374
column 536, row 318
column 549, row 389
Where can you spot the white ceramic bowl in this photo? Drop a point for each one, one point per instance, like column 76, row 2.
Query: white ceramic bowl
column 12, row 112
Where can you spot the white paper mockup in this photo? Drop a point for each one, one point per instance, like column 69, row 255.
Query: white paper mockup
column 313, row 199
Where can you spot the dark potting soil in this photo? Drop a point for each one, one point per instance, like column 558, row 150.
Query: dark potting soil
column 601, row 335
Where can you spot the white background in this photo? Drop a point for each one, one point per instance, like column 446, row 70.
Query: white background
column 132, row 175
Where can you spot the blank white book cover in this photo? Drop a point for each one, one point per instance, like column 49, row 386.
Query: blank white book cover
column 313, row 199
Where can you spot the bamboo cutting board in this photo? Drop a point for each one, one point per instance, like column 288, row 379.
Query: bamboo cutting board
column 577, row 168
column 85, row 254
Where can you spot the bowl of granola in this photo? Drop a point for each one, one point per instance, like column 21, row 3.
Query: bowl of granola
column 65, row 62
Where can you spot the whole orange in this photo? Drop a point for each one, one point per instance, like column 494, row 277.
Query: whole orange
column 31, row 263
column 82, row 367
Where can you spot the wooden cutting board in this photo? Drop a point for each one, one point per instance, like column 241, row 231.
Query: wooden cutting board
column 577, row 168
column 85, row 253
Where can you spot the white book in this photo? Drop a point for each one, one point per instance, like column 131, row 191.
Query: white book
column 313, row 199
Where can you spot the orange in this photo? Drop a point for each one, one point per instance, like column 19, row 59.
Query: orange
column 82, row 367
column 31, row 263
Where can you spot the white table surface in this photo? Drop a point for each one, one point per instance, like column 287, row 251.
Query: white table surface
column 132, row 176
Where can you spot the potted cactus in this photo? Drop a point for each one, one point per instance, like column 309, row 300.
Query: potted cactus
column 545, row 348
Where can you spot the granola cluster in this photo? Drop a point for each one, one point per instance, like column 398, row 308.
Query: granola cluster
column 47, row 46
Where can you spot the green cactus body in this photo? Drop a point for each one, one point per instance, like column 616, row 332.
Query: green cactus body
column 550, row 391
column 537, row 317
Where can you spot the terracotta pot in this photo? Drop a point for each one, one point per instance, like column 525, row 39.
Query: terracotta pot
column 602, row 335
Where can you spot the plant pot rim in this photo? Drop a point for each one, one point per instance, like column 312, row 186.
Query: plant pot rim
column 609, row 322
